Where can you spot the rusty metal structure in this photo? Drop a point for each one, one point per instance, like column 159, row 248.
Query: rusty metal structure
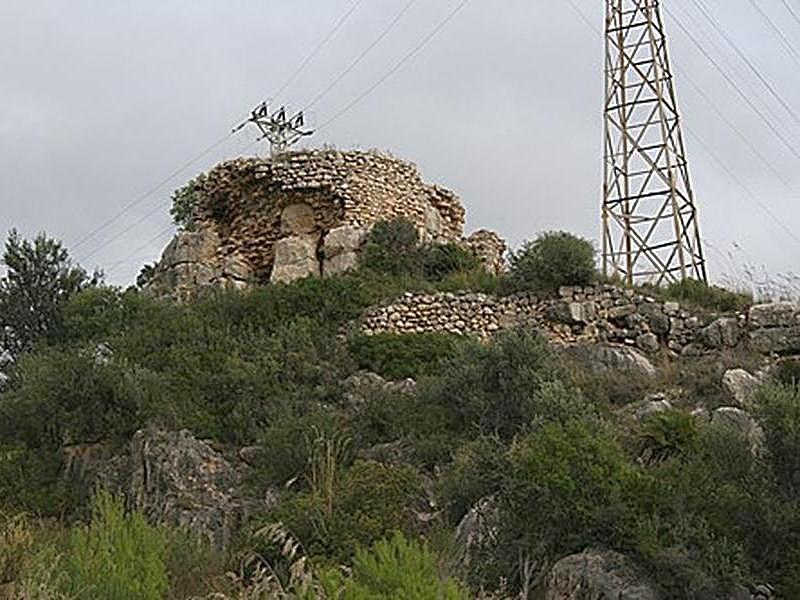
column 650, row 225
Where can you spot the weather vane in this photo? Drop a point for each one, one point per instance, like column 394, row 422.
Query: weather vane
column 281, row 131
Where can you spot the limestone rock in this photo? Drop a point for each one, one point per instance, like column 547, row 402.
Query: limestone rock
column 477, row 531
column 776, row 314
column 723, row 333
column 776, row 340
column 613, row 357
column 741, row 422
column 598, row 575
column 340, row 248
column 298, row 219
column 295, row 258
column 741, row 386
column 191, row 247
column 490, row 248
column 175, row 479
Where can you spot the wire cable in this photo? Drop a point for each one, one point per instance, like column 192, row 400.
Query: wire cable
column 338, row 24
column 363, row 54
column 411, row 54
column 788, row 46
column 141, row 198
column 769, row 87
column 791, row 11
column 735, row 86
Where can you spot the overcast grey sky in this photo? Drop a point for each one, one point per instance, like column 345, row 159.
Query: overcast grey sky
column 100, row 100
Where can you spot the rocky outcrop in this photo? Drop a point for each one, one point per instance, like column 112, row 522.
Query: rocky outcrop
column 175, row 479
column 477, row 532
column 775, row 328
column 603, row 358
column 742, row 423
column 598, row 575
column 190, row 263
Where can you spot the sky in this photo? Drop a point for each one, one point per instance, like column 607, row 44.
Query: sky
column 102, row 102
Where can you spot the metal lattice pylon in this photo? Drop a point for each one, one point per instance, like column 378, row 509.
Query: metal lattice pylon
column 650, row 226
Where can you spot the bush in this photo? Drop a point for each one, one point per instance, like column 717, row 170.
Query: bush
column 391, row 248
column 400, row 356
column 787, row 372
column 697, row 293
column 116, row 556
column 398, row 568
column 184, row 204
column 580, row 482
column 492, row 389
column 439, row 261
column 364, row 504
column 668, row 435
column 553, row 260
column 779, row 412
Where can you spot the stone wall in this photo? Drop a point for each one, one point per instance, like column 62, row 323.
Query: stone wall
column 599, row 313
column 305, row 213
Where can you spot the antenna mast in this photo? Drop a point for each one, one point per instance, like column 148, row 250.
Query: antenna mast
column 650, row 225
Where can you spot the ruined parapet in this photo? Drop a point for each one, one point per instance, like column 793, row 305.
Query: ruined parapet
column 302, row 214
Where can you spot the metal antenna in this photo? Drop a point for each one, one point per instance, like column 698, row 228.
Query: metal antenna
column 650, row 225
column 282, row 132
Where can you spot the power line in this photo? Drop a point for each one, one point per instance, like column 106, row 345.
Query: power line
column 770, row 88
column 735, row 86
column 414, row 51
column 747, row 190
column 363, row 54
column 305, row 62
column 790, row 49
column 128, row 259
column 791, row 11
column 150, row 192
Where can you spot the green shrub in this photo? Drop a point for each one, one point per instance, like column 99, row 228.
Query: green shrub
column 116, row 556
column 492, row 389
column 779, row 412
column 697, row 293
column 391, row 248
column 397, row 356
column 439, row 261
column 580, row 482
column 366, row 503
column 668, row 435
column 553, row 260
column 185, row 204
column 44, row 491
column 476, row 472
column 787, row 372
column 399, row 568
column 76, row 396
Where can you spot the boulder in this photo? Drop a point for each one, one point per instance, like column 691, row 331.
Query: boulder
column 741, row 386
column 573, row 313
column 741, row 422
column 598, row 575
column 652, row 405
column 612, row 357
column 295, row 258
column 191, row 247
column 477, row 531
column 175, row 479
column 648, row 342
column 340, row 249
column 722, row 333
column 775, row 314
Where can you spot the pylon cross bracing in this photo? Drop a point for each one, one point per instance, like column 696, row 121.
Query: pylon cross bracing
column 650, row 225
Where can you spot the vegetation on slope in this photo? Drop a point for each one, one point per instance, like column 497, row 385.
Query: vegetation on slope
column 376, row 485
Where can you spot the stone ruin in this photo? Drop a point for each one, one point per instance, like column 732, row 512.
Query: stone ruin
column 299, row 214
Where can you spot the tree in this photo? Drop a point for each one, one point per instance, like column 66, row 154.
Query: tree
column 40, row 278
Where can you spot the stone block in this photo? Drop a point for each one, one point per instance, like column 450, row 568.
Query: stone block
column 776, row 340
column 298, row 219
column 295, row 258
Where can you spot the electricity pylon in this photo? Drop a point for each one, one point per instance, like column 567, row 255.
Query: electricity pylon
column 281, row 131
column 650, row 226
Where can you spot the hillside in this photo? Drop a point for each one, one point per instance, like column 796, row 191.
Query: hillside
column 420, row 420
